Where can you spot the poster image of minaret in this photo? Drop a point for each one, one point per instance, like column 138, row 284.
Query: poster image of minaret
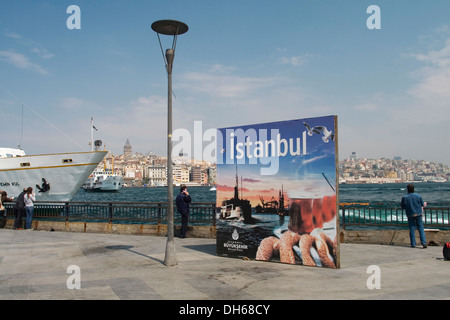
column 277, row 192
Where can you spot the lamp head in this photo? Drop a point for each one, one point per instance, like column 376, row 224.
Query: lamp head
column 170, row 27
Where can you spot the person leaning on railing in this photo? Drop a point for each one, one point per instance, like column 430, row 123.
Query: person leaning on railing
column 413, row 205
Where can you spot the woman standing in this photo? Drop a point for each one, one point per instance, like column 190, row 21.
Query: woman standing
column 29, row 199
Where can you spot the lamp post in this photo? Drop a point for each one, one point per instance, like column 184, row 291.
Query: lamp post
column 170, row 28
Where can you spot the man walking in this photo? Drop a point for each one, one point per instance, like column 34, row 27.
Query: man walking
column 182, row 202
column 413, row 205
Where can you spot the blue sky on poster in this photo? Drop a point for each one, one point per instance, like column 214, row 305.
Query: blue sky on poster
column 241, row 62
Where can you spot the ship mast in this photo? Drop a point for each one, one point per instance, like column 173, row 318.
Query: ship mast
column 92, row 134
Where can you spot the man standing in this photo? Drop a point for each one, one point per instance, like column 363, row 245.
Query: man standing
column 182, row 202
column 19, row 210
column 413, row 205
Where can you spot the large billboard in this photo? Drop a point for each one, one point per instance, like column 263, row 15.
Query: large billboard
column 277, row 192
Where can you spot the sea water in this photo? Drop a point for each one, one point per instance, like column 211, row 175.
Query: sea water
column 390, row 193
column 200, row 194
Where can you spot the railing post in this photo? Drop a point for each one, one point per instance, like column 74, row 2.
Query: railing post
column 111, row 210
column 66, row 210
column 343, row 218
column 159, row 212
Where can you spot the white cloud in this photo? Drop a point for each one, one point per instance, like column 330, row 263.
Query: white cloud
column 221, row 69
column 409, row 123
column 431, row 93
column 42, row 53
column 223, row 86
column 33, row 46
column 367, row 107
column 436, row 76
column 21, row 61
column 72, row 103
column 142, row 120
column 296, row 61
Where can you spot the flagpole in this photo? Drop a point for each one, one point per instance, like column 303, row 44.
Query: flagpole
column 92, row 134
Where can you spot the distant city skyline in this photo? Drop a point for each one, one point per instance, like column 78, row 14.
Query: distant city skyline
column 385, row 73
column 360, row 170
column 396, row 157
column 349, row 157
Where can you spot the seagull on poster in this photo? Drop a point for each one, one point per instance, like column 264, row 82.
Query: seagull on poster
column 327, row 135
column 311, row 130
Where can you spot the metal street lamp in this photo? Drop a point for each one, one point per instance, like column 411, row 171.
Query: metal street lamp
column 170, row 28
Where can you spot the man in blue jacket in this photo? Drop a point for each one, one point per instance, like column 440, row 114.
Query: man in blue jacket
column 413, row 205
column 182, row 202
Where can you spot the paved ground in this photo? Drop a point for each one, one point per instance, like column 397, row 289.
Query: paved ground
column 34, row 265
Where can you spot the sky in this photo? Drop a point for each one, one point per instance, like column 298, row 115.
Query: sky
column 240, row 63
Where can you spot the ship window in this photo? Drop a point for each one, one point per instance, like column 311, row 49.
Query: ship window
column 25, row 164
column 67, row 160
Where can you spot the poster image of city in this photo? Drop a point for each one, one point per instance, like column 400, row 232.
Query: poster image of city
column 277, row 192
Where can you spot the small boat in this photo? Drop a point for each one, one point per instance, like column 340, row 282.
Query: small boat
column 213, row 188
column 103, row 180
column 234, row 206
column 438, row 180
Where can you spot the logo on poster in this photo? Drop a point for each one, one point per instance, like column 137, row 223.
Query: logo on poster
column 235, row 235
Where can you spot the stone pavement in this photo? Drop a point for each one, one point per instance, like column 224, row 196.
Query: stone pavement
column 34, row 265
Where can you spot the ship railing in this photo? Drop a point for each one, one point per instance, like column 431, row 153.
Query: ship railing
column 117, row 212
column 435, row 215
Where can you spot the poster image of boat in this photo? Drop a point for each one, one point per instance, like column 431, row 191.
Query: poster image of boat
column 277, row 192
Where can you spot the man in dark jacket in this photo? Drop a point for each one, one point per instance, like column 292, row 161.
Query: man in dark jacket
column 182, row 201
column 19, row 210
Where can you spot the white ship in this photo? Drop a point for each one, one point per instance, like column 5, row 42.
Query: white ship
column 54, row 177
column 103, row 180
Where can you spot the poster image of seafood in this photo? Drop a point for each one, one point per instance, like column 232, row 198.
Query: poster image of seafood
column 277, row 192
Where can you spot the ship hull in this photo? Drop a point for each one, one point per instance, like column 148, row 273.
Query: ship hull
column 64, row 172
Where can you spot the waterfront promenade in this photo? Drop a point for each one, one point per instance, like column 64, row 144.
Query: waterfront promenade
column 34, row 265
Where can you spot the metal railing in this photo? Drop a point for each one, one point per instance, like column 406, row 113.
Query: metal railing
column 117, row 212
column 365, row 214
column 351, row 214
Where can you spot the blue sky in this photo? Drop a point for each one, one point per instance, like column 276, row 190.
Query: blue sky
column 241, row 62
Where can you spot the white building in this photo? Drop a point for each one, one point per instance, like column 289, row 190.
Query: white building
column 157, row 175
